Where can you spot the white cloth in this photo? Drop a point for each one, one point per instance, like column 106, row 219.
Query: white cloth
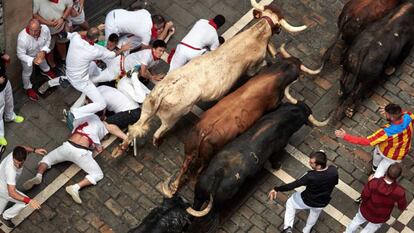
column 381, row 162
column 27, row 73
column 294, row 203
column 80, row 55
column 358, row 220
column 203, row 36
column 81, row 157
column 28, row 46
column 51, row 11
column 6, row 107
column 116, row 101
column 138, row 23
column 95, row 129
column 15, row 209
column 133, row 88
column 79, row 19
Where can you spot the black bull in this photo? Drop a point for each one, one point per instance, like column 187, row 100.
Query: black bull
column 379, row 48
column 246, row 155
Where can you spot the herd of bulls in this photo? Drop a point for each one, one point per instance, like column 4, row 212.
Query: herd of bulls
column 233, row 139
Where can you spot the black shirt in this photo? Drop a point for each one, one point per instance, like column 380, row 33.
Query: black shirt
column 319, row 186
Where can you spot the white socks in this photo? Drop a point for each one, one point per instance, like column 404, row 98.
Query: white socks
column 76, row 187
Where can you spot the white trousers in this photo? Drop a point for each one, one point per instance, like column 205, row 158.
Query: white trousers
column 381, row 162
column 97, row 100
column 294, row 203
column 182, row 55
column 110, row 26
column 27, row 73
column 133, row 88
column 14, row 209
column 358, row 220
column 81, row 157
column 6, row 107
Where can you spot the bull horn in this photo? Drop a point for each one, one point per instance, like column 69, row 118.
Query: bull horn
column 291, row 28
column 283, row 51
column 317, row 123
column 272, row 49
column 309, row 71
column 201, row 213
column 256, row 5
column 290, row 98
column 165, row 188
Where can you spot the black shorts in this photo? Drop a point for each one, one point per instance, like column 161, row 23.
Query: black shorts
column 123, row 119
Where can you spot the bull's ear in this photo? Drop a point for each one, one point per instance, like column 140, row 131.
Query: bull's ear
column 257, row 14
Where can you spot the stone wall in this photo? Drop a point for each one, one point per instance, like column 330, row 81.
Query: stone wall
column 1, row 26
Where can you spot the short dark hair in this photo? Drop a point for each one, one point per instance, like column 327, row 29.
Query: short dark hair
column 19, row 153
column 393, row 109
column 394, row 171
column 320, row 158
column 113, row 38
column 157, row 20
column 219, row 20
column 93, row 33
column 159, row 43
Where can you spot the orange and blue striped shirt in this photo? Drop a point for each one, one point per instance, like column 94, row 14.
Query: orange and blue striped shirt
column 394, row 141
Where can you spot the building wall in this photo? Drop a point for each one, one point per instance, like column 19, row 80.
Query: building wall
column 1, row 26
column 16, row 14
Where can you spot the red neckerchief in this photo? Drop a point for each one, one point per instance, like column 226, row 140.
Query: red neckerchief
column 86, row 39
column 212, row 23
column 154, row 33
column 79, row 130
column 153, row 56
column 54, row 1
column 122, row 66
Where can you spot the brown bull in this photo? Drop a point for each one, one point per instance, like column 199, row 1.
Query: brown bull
column 234, row 114
column 208, row 77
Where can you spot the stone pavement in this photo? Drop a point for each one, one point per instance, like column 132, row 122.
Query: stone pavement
column 130, row 188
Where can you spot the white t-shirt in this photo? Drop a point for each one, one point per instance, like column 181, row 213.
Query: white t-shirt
column 116, row 101
column 138, row 23
column 95, row 129
column 8, row 173
column 80, row 55
column 28, row 46
column 49, row 10
column 202, row 35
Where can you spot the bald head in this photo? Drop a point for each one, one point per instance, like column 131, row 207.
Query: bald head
column 93, row 34
column 34, row 27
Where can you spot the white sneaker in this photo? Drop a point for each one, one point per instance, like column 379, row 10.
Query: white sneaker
column 74, row 194
column 32, row 182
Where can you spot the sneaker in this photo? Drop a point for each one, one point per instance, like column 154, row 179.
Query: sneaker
column 32, row 94
column 18, row 119
column 32, row 182
column 374, row 168
column 64, row 82
column 50, row 74
column 358, row 200
column 74, row 194
column 287, row 230
column 69, row 120
column 7, row 222
column 3, row 141
column 42, row 89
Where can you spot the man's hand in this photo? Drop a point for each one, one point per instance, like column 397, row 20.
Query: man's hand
column 99, row 148
column 168, row 25
column 101, row 27
column 6, row 58
column 37, row 60
column 340, row 133
column 34, row 204
column 272, row 195
column 59, row 23
column 40, row 151
column 382, row 110
column 125, row 47
column 157, row 77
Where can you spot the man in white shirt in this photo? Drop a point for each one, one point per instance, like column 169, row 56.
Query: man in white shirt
column 137, row 26
column 10, row 169
column 145, row 59
column 77, row 15
column 82, row 51
column 32, row 46
column 202, row 36
column 54, row 14
column 86, row 138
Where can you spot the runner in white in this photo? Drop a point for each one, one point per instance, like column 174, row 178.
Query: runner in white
column 77, row 15
column 86, row 137
column 202, row 36
column 32, row 46
column 10, row 169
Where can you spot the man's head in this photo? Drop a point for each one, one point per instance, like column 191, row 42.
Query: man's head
column 317, row 160
column 393, row 112
column 113, row 40
column 159, row 22
column 158, row 48
column 394, row 171
column 19, row 156
column 33, row 28
column 219, row 20
column 93, row 34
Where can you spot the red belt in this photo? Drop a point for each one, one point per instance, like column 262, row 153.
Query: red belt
column 79, row 130
column 122, row 66
column 189, row 46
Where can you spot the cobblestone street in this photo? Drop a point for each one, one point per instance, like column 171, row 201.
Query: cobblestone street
column 131, row 186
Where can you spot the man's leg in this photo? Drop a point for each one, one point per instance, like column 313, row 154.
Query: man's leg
column 26, row 74
column 356, row 222
column 371, row 227
column 312, row 218
column 97, row 104
column 14, row 209
column 179, row 58
column 383, row 166
column 291, row 207
column 376, row 158
column 50, row 57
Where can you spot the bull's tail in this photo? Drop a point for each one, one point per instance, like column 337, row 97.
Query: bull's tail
column 327, row 55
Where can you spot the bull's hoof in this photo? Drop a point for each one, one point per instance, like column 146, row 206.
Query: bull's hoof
column 349, row 112
column 167, row 189
column 119, row 150
column 157, row 142
column 390, row 70
column 340, row 93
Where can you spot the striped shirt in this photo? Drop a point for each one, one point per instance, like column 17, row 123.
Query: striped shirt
column 394, row 141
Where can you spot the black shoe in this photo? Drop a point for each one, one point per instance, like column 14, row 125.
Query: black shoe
column 7, row 222
column 358, row 200
column 287, row 230
column 374, row 169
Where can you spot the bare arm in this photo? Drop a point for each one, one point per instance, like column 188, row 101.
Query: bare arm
column 11, row 189
column 43, row 20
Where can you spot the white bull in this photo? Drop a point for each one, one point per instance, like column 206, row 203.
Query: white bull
column 210, row 76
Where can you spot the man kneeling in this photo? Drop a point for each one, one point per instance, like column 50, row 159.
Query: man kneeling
column 86, row 136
